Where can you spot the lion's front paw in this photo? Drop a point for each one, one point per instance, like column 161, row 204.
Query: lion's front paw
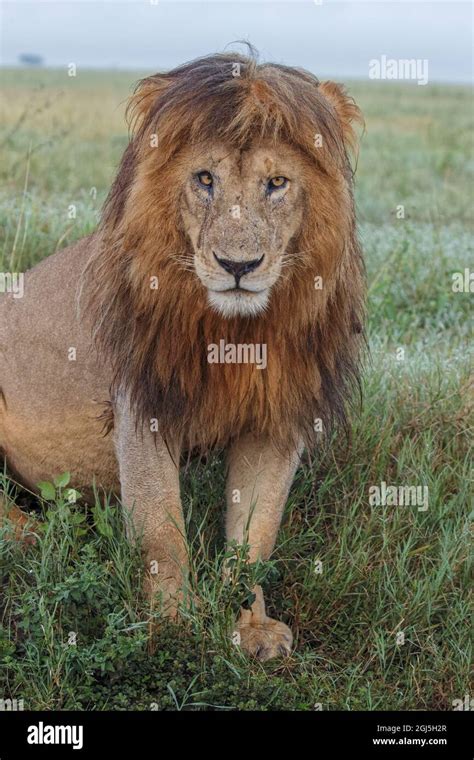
column 266, row 639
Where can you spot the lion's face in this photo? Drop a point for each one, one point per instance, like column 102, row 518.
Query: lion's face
column 241, row 211
column 235, row 207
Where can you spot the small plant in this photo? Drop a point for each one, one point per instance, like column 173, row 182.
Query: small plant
column 241, row 575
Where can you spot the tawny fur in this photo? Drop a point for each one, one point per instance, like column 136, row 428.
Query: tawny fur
column 313, row 336
column 140, row 354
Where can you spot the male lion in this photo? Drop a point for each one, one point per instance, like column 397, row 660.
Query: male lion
column 229, row 230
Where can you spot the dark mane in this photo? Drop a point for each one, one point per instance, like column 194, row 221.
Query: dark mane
column 157, row 345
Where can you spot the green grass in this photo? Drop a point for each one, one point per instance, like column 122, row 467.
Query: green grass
column 386, row 569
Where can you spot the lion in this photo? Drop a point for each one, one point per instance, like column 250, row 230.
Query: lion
column 229, row 231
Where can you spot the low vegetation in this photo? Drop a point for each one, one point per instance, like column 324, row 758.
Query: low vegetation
column 376, row 594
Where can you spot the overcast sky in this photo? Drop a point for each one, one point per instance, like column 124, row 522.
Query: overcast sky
column 332, row 38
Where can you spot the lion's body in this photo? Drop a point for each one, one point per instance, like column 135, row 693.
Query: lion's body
column 50, row 403
column 231, row 220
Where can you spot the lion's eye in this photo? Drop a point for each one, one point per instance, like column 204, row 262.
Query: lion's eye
column 277, row 183
column 205, row 179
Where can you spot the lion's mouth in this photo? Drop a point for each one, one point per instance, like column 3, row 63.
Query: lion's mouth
column 238, row 291
column 238, row 301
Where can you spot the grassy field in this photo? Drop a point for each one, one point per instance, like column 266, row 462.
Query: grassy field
column 385, row 625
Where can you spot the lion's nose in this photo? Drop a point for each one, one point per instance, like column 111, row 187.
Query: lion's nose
column 238, row 268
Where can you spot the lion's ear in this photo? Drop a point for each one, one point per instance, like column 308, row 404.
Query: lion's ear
column 146, row 94
column 347, row 110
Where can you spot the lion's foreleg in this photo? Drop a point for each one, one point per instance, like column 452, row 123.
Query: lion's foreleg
column 150, row 492
column 259, row 479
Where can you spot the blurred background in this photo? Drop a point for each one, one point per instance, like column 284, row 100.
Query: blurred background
column 328, row 37
column 67, row 71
